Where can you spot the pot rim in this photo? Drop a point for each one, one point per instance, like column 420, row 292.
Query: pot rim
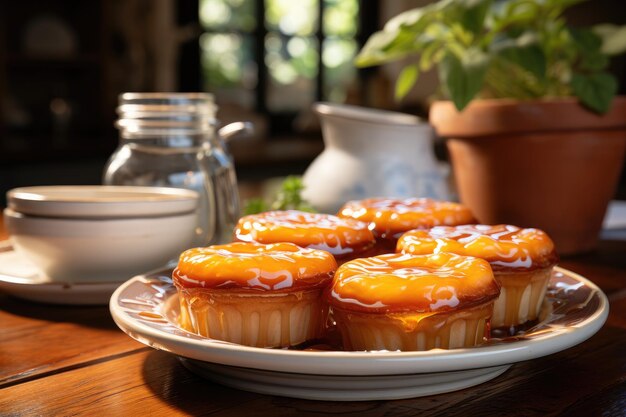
column 489, row 117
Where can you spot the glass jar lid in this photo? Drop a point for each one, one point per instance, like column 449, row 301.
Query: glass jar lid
column 145, row 114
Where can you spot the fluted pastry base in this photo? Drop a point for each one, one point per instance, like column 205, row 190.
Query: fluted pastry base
column 521, row 296
column 271, row 320
column 413, row 331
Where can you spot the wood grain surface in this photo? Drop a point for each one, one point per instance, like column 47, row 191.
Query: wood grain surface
column 73, row 361
column 37, row 339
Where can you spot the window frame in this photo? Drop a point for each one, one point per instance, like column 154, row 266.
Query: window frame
column 279, row 122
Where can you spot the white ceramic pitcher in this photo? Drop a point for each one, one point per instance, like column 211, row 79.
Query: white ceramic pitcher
column 372, row 153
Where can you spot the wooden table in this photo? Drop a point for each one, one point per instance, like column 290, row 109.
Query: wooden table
column 62, row 361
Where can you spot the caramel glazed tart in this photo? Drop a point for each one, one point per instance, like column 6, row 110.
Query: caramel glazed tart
column 345, row 238
column 253, row 294
column 390, row 217
column 522, row 261
column 407, row 303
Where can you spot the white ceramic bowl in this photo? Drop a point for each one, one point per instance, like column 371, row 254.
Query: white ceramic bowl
column 106, row 234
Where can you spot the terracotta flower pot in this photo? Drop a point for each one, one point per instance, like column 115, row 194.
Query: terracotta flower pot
column 546, row 164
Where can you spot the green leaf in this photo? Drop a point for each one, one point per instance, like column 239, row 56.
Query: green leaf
column 409, row 19
column 373, row 53
column 521, row 15
column 289, row 196
column 563, row 4
column 406, row 80
column 383, row 47
column 463, row 78
column 525, row 53
column 254, row 206
column 585, row 39
column 472, row 14
column 428, row 57
column 520, row 11
column 613, row 38
column 595, row 91
column 405, row 42
column 594, row 61
column 416, row 19
column 588, row 45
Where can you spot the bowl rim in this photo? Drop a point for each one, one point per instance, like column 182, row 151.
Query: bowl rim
column 98, row 201
column 20, row 224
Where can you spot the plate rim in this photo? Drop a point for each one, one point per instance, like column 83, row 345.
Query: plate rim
column 349, row 363
column 341, row 388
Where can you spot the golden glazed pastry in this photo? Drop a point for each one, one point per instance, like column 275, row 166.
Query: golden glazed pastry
column 522, row 261
column 391, row 217
column 405, row 302
column 254, row 294
column 345, row 238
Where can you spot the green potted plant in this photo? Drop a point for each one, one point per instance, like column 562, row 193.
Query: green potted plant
column 534, row 130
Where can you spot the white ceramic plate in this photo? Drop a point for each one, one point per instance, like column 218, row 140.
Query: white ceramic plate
column 146, row 307
column 97, row 201
column 20, row 278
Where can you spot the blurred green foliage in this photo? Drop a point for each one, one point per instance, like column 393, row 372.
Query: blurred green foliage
column 521, row 49
column 288, row 197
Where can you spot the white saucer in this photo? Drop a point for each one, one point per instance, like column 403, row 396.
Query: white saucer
column 146, row 307
column 20, row 278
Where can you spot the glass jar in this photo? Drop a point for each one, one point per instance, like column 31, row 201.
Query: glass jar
column 170, row 140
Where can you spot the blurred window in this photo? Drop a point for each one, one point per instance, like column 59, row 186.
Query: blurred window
column 279, row 56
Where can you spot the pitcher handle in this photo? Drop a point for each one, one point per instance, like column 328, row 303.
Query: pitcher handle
column 235, row 129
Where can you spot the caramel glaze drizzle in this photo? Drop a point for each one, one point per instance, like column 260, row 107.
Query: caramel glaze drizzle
column 341, row 237
column 505, row 247
column 254, row 267
column 406, row 283
column 391, row 217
